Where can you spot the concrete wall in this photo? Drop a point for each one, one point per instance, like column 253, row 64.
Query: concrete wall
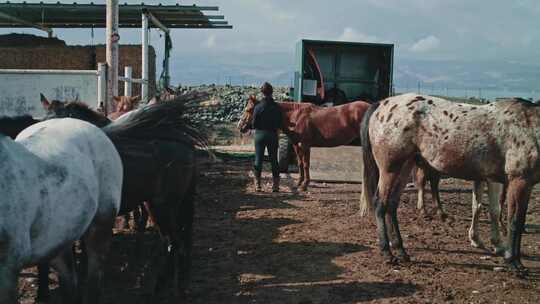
column 19, row 92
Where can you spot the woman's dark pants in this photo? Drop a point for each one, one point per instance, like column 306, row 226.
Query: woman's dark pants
column 266, row 140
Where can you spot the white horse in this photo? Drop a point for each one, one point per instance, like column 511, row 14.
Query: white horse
column 494, row 192
column 61, row 181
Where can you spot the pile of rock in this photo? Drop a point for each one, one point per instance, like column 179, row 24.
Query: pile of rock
column 224, row 104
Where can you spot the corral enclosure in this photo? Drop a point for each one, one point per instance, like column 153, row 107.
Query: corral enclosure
column 20, row 93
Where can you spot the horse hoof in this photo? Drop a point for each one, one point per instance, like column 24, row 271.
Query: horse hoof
column 478, row 244
column 517, row 268
column 404, row 258
column 443, row 216
column 499, row 251
column 389, row 259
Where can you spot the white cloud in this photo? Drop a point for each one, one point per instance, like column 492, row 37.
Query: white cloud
column 426, row 44
column 210, row 42
column 350, row 34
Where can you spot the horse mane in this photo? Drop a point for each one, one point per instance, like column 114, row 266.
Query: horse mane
column 84, row 112
column 162, row 121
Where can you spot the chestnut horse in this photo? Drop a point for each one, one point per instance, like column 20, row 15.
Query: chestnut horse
column 308, row 125
column 497, row 142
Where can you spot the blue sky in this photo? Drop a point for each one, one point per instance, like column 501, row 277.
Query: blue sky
column 265, row 32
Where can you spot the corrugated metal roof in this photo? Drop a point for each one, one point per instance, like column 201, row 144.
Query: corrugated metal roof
column 75, row 15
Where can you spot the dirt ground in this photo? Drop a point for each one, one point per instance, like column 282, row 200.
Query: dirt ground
column 313, row 247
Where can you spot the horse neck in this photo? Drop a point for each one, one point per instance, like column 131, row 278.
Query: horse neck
column 288, row 109
column 12, row 126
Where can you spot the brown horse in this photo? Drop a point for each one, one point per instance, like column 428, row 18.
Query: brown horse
column 496, row 142
column 308, row 125
column 124, row 104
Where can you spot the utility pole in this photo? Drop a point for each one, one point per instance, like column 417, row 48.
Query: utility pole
column 112, row 53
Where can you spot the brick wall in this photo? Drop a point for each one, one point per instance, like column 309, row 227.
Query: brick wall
column 77, row 58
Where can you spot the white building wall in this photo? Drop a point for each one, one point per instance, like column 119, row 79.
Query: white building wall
column 20, row 89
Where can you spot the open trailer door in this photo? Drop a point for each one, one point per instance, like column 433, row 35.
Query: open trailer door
column 332, row 73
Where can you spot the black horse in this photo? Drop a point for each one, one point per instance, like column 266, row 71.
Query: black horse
column 158, row 150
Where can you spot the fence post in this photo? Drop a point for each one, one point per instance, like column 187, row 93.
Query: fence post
column 102, row 83
column 144, row 72
column 128, row 71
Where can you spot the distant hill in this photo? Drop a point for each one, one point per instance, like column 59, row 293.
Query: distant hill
column 278, row 68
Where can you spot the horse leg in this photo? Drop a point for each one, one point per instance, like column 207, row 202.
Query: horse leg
column 8, row 282
column 518, row 195
column 97, row 241
column 388, row 189
column 64, row 264
column 502, row 198
column 494, row 193
column 43, row 292
column 300, row 157
column 140, row 216
column 392, row 221
column 434, row 180
column 307, row 154
column 187, row 214
column 420, row 183
column 476, row 207
column 126, row 217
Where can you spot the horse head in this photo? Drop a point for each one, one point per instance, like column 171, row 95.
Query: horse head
column 126, row 103
column 247, row 117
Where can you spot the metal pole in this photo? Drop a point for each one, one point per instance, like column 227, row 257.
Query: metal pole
column 128, row 72
column 144, row 76
column 102, row 83
column 112, row 53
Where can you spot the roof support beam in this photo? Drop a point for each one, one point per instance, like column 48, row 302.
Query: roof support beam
column 27, row 23
column 157, row 23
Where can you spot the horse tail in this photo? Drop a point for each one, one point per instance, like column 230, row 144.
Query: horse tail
column 159, row 122
column 370, row 174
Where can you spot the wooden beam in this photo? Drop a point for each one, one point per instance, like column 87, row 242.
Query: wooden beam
column 26, row 23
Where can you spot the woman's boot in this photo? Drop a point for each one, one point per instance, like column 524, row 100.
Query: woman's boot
column 258, row 186
column 275, row 185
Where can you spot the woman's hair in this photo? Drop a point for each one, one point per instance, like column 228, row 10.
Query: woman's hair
column 267, row 89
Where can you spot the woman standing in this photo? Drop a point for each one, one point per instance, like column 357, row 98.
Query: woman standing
column 266, row 121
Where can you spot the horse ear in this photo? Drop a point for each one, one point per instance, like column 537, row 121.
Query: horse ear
column 44, row 102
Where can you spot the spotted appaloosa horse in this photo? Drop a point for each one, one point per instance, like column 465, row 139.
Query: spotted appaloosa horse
column 308, row 125
column 495, row 198
column 496, row 142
